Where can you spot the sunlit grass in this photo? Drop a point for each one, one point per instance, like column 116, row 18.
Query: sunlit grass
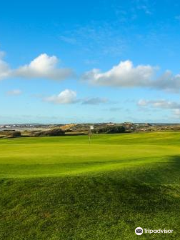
column 65, row 188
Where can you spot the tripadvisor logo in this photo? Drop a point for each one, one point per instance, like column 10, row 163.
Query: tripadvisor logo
column 139, row 231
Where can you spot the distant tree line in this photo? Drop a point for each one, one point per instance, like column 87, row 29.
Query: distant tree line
column 60, row 132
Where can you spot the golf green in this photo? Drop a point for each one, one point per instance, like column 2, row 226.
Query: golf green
column 64, row 188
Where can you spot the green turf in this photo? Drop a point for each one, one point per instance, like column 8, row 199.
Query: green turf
column 63, row 188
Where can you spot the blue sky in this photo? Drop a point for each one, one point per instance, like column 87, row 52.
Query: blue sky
column 89, row 61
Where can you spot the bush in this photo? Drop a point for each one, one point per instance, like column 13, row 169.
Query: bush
column 52, row 132
column 111, row 129
column 14, row 134
column 116, row 129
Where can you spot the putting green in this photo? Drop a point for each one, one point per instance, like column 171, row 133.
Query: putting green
column 59, row 156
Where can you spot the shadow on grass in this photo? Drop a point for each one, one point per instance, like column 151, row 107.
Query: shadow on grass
column 161, row 172
column 104, row 206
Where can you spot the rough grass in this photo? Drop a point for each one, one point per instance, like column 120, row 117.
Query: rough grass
column 63, row 188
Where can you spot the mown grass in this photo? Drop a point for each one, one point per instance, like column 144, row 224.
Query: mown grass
column 63, row 188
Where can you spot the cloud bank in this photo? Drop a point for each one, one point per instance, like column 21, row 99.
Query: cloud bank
column 123, row 75
column 161, row 104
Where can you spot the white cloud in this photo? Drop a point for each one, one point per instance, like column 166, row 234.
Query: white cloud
column 163, row 104
column 4, row 67
column 125, row 75
column 69, row 96
column 176, row 113
column 14, row 92
column 43, row 66
column 65, row 97
column 122, row 75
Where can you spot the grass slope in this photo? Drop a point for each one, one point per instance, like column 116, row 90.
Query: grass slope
column 63, row 188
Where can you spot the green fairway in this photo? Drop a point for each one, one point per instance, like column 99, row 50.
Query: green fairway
column 63, row 188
